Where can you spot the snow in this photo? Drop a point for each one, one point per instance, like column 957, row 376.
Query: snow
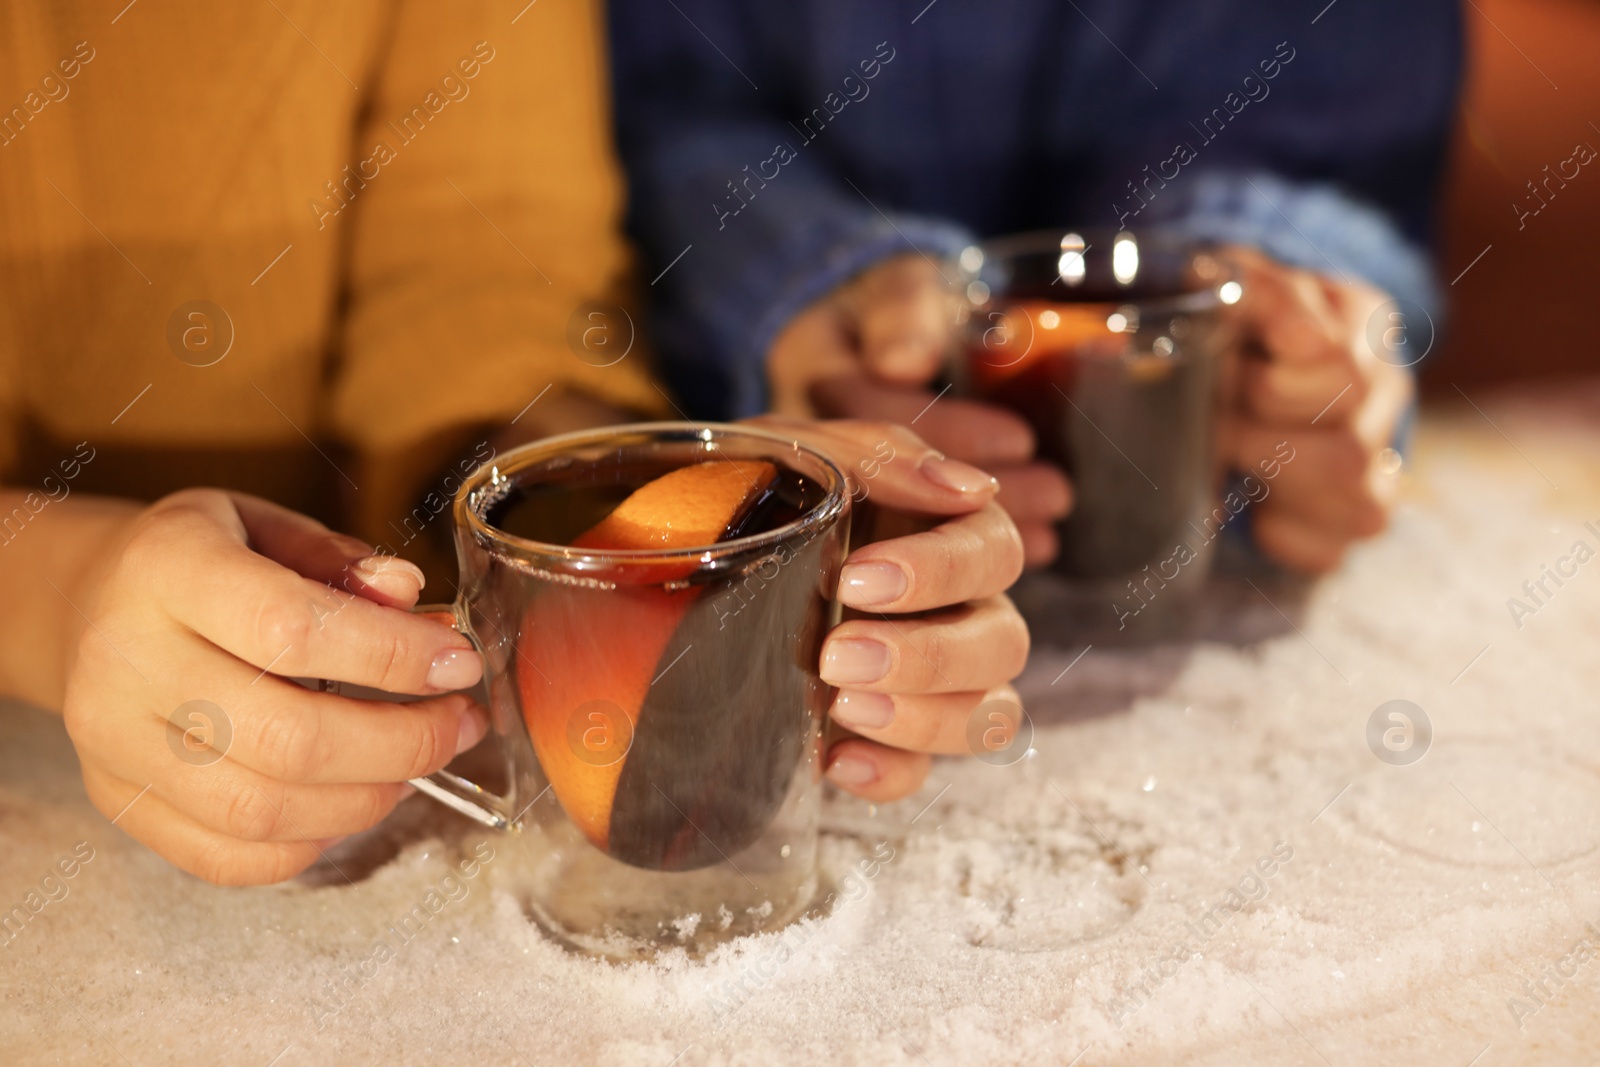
column 1202, row 860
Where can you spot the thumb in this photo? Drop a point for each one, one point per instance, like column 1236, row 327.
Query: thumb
column 313, row 551
column 1288, row 312
column 905, row 319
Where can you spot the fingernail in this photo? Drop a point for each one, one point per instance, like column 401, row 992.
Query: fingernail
column 848, row 771
column 860, row 710
column 455, row 668
column 855, row 660
column 380, row 568
column 871, row 584
column 953, row 474
column 473, row 726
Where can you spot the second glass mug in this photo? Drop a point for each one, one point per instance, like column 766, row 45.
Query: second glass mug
column 659, row 713
column 1112, row 344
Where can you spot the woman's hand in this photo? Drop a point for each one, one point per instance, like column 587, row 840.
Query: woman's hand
column 1310, row 377
column 868, row 351
column 932, row 635
column 220, row 598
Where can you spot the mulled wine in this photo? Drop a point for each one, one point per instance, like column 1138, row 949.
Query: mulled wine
column 666, row 654
column 1108, row 348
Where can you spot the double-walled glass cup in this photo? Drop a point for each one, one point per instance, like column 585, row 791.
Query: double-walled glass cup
column 1110, row 344
column 659, row 713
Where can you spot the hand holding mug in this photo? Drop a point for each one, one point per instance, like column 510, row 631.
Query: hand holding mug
column 869, row 350
column 189, row 733
column 1309, row 376
column 934, row 635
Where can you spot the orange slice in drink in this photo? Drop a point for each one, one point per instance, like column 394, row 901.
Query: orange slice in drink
column 1031, row 330
column 586, row 657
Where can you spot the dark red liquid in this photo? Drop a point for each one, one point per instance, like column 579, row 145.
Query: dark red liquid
column 714, row 669
column 558, row 510
column 1132, row 434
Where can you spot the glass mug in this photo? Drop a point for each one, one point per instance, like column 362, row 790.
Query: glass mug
column 659, row 713
column 1110, row 344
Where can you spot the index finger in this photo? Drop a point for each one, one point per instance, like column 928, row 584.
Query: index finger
column 967, row 429
column 206, row 578
column 970, row 557
column 891, row 465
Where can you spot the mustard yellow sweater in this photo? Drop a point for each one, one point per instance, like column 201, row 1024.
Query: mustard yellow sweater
column 302, row 248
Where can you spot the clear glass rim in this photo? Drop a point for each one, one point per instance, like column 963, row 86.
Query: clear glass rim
column 1205, row 298
column 507, row 464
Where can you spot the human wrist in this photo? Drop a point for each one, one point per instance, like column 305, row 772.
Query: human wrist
column 100, row 532
column 52, row 569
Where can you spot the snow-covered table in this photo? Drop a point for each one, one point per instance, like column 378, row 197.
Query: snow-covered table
column 1203, row 861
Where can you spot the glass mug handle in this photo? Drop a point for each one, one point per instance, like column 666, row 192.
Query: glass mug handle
column 452, row 790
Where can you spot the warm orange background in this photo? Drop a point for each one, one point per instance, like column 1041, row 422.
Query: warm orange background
column 1528, row 308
